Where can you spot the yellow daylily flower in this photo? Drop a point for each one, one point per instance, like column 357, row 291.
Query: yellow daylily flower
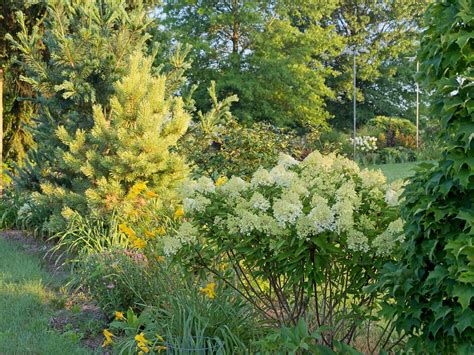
column 140, row 338
column 151, row 194
column 127, row 230
column 209, row 290
column 139, row 243
column 108, row 338
column 161, row 230
column 149, row 234
column 221, row 180
column 143, row 347
column 142, row 342
column 160, row 347
column 119, row 316
column 179, row 212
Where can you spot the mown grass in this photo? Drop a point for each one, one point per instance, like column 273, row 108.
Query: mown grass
column 397, row 171
column 25, row 306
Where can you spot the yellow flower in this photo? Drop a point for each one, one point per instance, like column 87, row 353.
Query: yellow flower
column 140, row 338
column 127, row 230
column 139, row 243
column 209, row 290
column 221, row 180
column 161, row 231
column 149, row 234
column 179, row 212
column 136, row 189
column 151, row 194
column 142, row 342
column 119, row 316
column 108, row 338
column 160, row 347
column 143, row 347
column 159, row 337
column 160, row 258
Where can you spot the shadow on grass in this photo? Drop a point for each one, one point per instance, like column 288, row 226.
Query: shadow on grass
column 25, row 307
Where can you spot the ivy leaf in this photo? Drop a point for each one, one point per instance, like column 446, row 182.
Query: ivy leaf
column 464, row 293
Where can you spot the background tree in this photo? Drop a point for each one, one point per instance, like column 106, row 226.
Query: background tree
column 270, row 53
column 384, row 34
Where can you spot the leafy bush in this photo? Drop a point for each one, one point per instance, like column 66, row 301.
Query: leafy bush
column 394, row 132
column 430, row 290
column 391, row 155
column 117, row 279
column 300, row 237
column 218, row 145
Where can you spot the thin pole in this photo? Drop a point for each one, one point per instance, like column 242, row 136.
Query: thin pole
column 417, row 104
column 1, row 132
column 354, row 104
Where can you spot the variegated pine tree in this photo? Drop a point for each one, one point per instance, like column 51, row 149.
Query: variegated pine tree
column 125, row 161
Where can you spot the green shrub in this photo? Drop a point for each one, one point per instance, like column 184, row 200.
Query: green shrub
column 118, row 279
column 218, row 145
column 300, row 237
column 391, row 155
column 430, row 290
column 393, row 132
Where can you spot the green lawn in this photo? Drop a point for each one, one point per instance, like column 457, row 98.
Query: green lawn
column 396, row 171
column 25, row 306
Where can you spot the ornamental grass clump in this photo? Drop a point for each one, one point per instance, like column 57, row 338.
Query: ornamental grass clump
column 302, row 239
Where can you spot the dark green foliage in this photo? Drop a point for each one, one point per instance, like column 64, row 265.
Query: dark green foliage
column 117, row 279
column 87, row 45
column 431, row 288
column 18, row 108
column 218, row 145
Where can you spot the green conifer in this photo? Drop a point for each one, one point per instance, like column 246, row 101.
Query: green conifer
column 125, row 161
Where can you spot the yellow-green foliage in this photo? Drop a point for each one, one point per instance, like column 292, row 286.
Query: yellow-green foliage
column 124, row 161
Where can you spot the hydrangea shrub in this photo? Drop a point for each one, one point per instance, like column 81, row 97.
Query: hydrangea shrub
column 300, row 237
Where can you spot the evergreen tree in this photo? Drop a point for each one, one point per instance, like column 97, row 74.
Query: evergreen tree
column 87, row 44
column 18, row 108
column 124, row 161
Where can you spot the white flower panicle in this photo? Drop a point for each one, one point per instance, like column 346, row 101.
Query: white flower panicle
column 262, row 178
column 287, row 161
column 259, row 202
column 365, row 143
column 323, row 194
column 385, row 243
column 393, row 193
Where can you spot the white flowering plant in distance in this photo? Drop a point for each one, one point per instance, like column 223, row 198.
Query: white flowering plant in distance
column 302, row 238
